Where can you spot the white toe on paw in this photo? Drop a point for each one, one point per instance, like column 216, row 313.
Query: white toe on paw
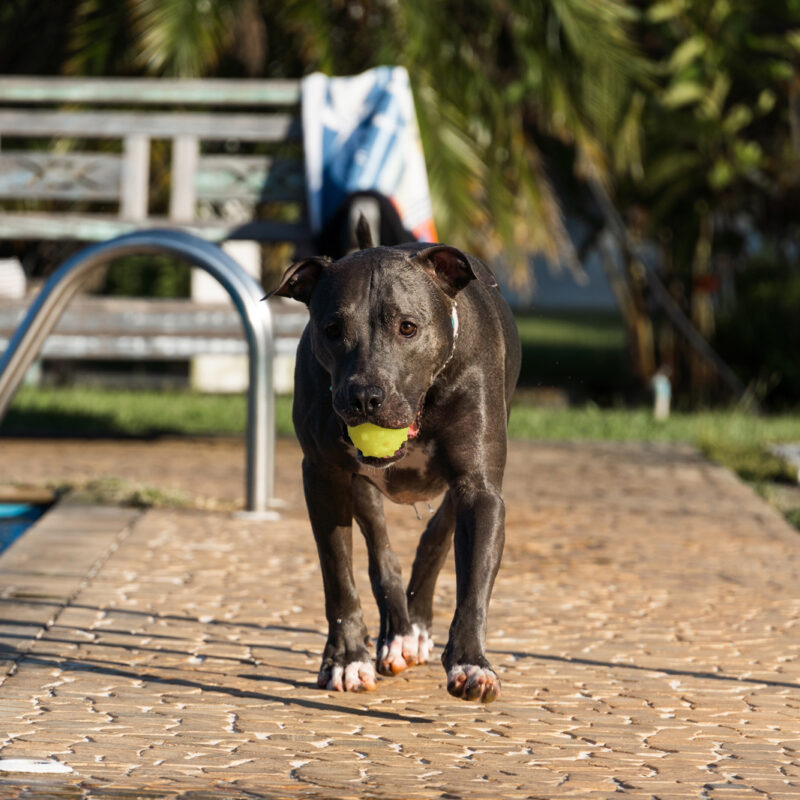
column 397, row 655
column 359, row 676
column 470, row 682
column 424, row 644
column 404, row 651
column 331, row 678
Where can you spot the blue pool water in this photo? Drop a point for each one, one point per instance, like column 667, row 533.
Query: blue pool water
column 15, row 518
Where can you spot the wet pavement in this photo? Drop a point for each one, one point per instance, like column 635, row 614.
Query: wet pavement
column 645, row 624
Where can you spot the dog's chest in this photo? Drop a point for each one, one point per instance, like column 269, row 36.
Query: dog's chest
column 415, row 478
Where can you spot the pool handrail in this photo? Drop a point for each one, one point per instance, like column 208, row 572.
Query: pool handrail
column 246, row 294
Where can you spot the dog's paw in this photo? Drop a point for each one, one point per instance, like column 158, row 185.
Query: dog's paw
column 403, row 652
column 357, row 676
column 397, row 655
column 470, row 682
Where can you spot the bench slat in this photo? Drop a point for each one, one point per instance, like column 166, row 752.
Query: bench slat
column 95, row 228
column 29, row 175
column 217, row 92
column 124, row 327
column 118, row 124
column 154, row 348
column 259, row 179
column 93, row 314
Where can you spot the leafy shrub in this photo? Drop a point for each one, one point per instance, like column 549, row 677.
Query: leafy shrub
column 147, row 276
column 760, row 337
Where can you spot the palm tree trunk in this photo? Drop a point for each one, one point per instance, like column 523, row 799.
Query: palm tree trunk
column 637, row 322
column 661, row 297
column 702, row 308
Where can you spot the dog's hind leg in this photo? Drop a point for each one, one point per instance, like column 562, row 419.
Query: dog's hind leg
column 346, row 664
column 431, row 553
column 397, row 642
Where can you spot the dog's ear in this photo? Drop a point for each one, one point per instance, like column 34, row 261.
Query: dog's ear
column 452, row 269
column 363, row 233
column 300, row 279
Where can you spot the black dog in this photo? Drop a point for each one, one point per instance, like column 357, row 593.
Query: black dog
column 413, row 336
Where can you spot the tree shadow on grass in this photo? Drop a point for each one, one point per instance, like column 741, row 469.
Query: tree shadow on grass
column 50, row 424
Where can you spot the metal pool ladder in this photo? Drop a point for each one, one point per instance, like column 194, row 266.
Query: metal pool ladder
column 246, row 294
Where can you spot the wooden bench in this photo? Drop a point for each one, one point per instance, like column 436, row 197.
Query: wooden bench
column 85, row 159
column 90, row 159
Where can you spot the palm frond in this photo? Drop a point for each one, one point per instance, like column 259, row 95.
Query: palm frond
column 181, row 38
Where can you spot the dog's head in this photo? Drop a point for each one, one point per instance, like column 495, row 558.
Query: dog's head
column 382, row 324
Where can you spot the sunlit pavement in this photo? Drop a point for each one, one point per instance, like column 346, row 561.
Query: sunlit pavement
column 645, row 624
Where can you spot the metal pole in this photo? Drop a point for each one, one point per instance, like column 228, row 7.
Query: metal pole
column 246, row 294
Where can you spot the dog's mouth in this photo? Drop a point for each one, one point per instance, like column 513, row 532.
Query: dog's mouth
column 375, row 461
column 385, row 461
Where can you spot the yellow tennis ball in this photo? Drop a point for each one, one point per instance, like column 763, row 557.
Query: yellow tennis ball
column 377, row 442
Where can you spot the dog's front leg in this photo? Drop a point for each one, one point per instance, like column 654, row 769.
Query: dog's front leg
column 399, row 644
column 478, row 544
column 346, row 663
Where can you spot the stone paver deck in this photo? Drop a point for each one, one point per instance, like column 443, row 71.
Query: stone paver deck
column 645, row 623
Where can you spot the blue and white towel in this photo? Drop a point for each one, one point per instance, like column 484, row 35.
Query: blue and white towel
column 360, row 133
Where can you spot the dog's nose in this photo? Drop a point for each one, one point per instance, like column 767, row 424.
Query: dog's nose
column 366, row 399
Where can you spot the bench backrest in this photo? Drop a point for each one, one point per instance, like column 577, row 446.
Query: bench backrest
column 83, row 158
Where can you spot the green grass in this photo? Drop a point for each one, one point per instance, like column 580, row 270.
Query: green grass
column 728, row 436
column 100, row 412
column 732, row 438
column 105, row 412
column 591, row 422
column 121, row 492
column 78, row 411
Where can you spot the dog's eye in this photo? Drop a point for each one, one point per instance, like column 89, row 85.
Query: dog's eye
column 407, row 329
column 333, row 330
